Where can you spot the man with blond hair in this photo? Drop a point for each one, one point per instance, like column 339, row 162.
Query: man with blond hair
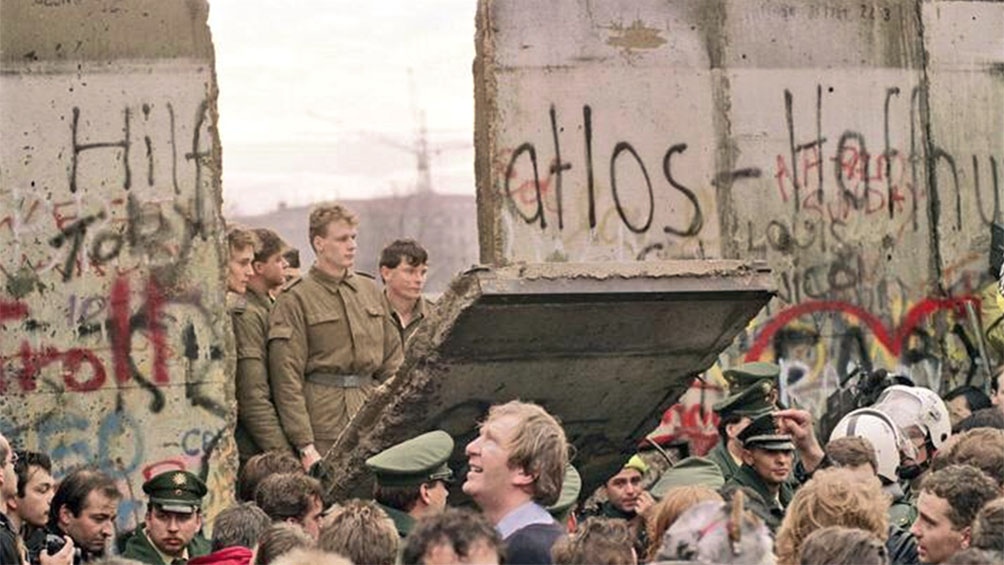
column 517, row 465
column 330, row 339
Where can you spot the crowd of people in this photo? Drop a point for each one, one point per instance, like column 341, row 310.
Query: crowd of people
column 910, row 478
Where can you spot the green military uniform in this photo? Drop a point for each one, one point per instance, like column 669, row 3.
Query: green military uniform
column 179, row 492
column 692, row 471
column 409, row 465
column 903, row 510
column 424, row 313
column 762, row 434
column 330, row 342
column 755, row 399
column 258, row 427
column 746, row 375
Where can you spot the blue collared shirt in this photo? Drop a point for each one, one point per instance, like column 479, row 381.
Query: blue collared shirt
column 525, row 515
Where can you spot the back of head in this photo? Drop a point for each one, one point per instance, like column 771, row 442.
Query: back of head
column 973, row 556
column 287, row 495
column 982, row 448
column 311, row 557
column 675, row 502
column 599, row 541
column 852, row 451
column 965, row 488
column 279, row 539
column 834, row 497
column 261, row 466
column 991, row 417
column 538, row 446
column 837, row 545
column 239, row 525
column 715, row 532
column 361, row 531
column 988, row 527
column 462, row 529
column 74, row 489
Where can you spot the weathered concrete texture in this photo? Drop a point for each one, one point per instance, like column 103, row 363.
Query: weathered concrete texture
column 115, row 337
column 603, row 347
column 856, row 148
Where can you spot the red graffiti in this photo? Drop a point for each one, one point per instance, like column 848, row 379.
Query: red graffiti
column 122, row 330
column 892, row 341
column 13, row 310
column 154, row 469
column 692, row 420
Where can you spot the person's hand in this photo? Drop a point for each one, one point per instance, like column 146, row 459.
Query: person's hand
column 309, row 456
column 645, row 501
column 798, row 424
column 62, row 557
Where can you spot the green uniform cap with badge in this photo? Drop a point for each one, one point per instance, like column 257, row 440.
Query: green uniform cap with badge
column 752, row 401
column 419, row 460
column 762, row 433
column 743, row 376
column 176, row 491
column 692, row 471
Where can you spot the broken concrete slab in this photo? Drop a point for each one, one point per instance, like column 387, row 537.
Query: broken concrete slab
column 604, row 347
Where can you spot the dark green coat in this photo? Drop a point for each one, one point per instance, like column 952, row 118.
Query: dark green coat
column 747, row 477
column 721, row 456
column 403, row 522
column 139, row 547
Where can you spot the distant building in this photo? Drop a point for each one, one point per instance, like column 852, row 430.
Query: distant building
column 446, row 224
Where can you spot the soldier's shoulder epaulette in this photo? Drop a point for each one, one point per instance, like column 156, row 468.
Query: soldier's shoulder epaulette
column 236, row 303
column 367, row 275
column 292, row 282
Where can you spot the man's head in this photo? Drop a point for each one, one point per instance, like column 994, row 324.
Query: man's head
column 855, row 454
column 361, row 531
column 269, row 263
column 278, row 539
column 982, row 448
column 988, row 526
column 625, row 488
column 35, row 488
column 949, row 500
column 767, row 451
column 294, row 498
column 597, row 540
column 457, row 535
column 403, row 268
column 834, row 497
column 837, row 545
column 84, row 507
column 997, row 388
column 411, row 476
column 240, row 525
column 292, row 270
column 174, row 510
column 261, row 466
column 8, row 478
column 737, row 410
column 519, row 455
column 963, row 401
column 333, row 231
column 241, row 247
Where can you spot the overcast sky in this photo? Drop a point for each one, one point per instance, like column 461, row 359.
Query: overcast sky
column 316, row 100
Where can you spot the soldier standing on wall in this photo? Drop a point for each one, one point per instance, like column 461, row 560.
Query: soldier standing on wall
column 258, row 427
column 331, row 340
column 403, row 268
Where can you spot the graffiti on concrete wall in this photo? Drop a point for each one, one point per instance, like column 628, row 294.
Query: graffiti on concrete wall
column 113, row 342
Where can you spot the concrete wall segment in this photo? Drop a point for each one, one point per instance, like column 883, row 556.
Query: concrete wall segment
column 115, row 336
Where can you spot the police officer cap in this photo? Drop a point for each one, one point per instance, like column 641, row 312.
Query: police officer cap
column 410, row 463
column 692, row 471
column 762, row 433
column 176, row 491
column 742, row 376
column 571, row 486
column 751, row 401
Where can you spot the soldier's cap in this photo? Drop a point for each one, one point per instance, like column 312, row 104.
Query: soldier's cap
column 742, row 376
column 421, row 459
column 692, row 471
column 762, row 433
column 751, row 401
column 571, row 486
column 176, row 491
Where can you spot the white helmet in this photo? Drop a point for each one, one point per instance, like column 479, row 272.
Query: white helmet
column 917, row 406
column 891, row 447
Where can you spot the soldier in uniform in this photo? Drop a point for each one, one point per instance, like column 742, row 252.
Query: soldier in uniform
column 330, row 339
column 735, row 412
column 412, row 477
column 258, row 427
column 768, row 459
column 403, row 268
column 240, row 245
column 743, row 376
column 172, row 532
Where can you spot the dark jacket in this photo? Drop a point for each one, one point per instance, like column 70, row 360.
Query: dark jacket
column 139, row 547
column 721, row 456
column 403, row 522
column 531, row 545
column 10, row 547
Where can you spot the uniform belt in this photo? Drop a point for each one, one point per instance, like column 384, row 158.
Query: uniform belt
column 339, row 381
